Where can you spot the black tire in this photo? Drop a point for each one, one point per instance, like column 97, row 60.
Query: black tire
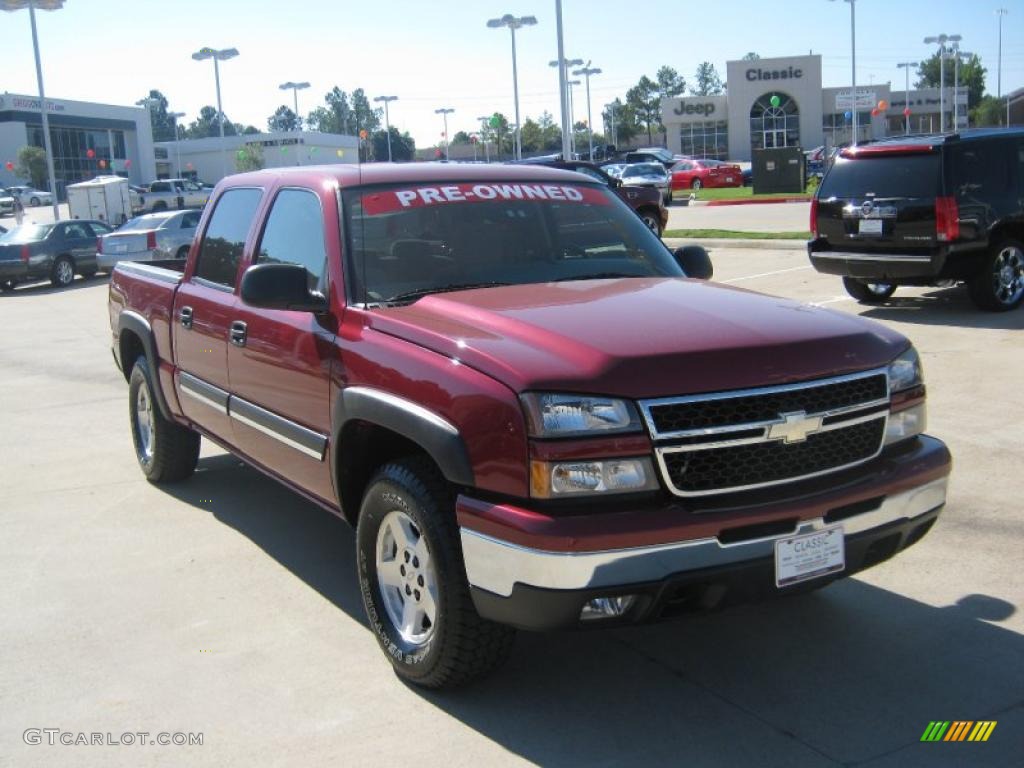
column 696, row 184
column 34, row 202
column 668, row 200
column 7, row 286
column 999, row 286
column 182, row 252
column 458, row 646
column 868, row 292
column 652, row 221
column 160, row 205
column 62, row 273
column 88, row 274
column 172, row 451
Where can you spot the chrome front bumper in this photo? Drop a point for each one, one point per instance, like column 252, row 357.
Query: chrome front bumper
column 497, row 566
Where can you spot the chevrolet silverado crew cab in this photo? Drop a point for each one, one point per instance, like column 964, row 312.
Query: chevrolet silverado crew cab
column 925, row 210
column 532, row 411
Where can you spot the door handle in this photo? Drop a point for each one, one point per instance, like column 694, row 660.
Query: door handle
column 238, row 330
column 185, row 317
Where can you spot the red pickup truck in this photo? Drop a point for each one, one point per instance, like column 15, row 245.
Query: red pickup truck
column 534, row 413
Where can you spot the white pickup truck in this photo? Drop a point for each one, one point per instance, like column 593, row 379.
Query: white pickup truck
column 166, row 194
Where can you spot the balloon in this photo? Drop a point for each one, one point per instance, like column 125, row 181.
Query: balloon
column 883, row 105
column 874, row 113
column 312, row 150
column 906, row 111
column 363, row 134
column 127, row 163
column 775, row 101
column 103, row 163
column 90, row 153
column 495, row 121
column 9, row 166
column 284, row 149
column 189, row 166
column 848, row 114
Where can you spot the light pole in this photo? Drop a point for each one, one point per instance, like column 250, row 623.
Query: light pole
column 957, row 53
column 513, row 23
column 587, row 71
column 218, row 55
column 611, row 116
column 563, row 65
column 942, row 40
column 572, row 117
column 295, row 88
column 444, row 112
column 905, row 66
column 485, row 119
column 1000, row 12
column 43, row 5
column 853, row 67
column 177, row 149
column 387, row 122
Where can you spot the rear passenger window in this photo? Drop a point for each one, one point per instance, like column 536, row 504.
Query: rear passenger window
column 190, row 220
column 221, row 250
column 981, row 170
column 295, row 234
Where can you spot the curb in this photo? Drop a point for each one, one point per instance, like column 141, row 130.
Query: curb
column 759, row 202
column 768, row 245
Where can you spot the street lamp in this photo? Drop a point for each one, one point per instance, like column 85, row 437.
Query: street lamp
column 485, row 119
column 444, row 112
column 218, row 55
column 295, row 88
column 177, row 150
column 513, row 23
column 957, row 53
column 941, row 40
column 1000, row 12
column 387, row 122
column 853, row 66
column 587, row 71
column 563, row 65
column 43, row 5
column 572, row 116
column 905, row 66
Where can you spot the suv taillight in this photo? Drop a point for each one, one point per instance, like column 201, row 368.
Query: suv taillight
column 814, row 217
column 151, row 240
column 947, row 219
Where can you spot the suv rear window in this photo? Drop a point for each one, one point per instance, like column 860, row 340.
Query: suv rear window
column 883, row 176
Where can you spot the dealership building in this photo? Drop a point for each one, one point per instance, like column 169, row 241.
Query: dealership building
column 88, row 139
column 781, row 103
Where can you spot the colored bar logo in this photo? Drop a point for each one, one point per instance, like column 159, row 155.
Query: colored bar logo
column 958, row 730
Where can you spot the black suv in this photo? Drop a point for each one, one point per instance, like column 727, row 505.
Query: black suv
column 925, row 210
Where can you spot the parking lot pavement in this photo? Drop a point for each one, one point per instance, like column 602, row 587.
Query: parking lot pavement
column 41, row 214
column 762, row 217
column 228, row 606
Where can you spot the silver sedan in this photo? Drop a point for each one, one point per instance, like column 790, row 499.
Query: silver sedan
column 648, row 175
column 154, row 236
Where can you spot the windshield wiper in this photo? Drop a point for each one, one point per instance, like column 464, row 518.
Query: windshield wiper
column 595, row 276
column 419, row 293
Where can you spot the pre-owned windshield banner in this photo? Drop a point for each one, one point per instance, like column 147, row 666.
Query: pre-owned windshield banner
column 402, row 198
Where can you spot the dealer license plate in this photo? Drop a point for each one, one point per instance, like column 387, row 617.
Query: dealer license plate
column 809, row 556
column 870, row 227
column 119, row 248
column 728, row 179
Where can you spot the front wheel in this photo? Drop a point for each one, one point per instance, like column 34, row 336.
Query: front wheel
column 413, row 581
column 652, row 222
column 166, row 452
column 999, row 286
column 868, row 293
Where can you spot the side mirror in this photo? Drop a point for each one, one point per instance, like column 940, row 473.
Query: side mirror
column 281, row 286
column 692, row 258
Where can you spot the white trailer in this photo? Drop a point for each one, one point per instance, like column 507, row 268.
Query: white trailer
column 106, row 198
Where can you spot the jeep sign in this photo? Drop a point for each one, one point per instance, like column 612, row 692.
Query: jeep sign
column 695, row 109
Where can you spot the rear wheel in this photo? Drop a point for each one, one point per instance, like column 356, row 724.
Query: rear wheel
column 34, row 202
column 160, row 205
column 63, row 272
column 413, row 581
column 7, row 286
column 696, row 184
column 166, row 451
column 652, row 222
column 999, row 286
column 868, row 293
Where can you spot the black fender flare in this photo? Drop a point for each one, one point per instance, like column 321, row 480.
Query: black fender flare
column 140, row 327
column 436, row 435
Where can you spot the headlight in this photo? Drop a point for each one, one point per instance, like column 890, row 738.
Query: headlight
column 550, row 415
column 590, row 477
column 905, row 371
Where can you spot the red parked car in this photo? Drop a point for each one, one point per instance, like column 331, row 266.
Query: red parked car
column 695, row 174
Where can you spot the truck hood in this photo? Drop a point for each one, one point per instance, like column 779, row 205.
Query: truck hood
column 639, row 337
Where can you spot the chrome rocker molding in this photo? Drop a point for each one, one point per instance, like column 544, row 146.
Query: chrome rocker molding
column 497, row 566
column 288, row 432
column 201, row 392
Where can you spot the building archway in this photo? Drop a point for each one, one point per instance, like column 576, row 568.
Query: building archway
column 774, row 125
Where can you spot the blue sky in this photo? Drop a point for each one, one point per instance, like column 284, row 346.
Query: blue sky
column 440, row 54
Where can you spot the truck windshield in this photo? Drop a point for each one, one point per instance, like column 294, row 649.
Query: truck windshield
column 409, row 241
column 883, row 176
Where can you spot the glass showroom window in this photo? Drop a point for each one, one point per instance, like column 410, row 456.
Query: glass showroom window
column 774, row 122
column 706, row 139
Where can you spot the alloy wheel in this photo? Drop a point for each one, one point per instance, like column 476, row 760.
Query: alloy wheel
column 1008, row 275
column 144, row 424
column 406, row 578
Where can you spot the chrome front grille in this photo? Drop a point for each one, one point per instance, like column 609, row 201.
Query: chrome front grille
column 744, row 439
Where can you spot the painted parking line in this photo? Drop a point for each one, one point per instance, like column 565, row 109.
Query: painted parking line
column 833, row 300
column 765, row 274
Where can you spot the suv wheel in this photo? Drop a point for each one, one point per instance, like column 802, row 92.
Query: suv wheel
column 413, row 581
column 868, row 293
column 999, row 286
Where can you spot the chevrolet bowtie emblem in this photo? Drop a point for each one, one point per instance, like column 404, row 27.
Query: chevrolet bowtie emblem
column 794, row 427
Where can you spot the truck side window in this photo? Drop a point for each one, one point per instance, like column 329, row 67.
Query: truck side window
column 295, row 234
column 224, row 239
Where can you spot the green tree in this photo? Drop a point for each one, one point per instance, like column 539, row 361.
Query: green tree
column 750, row 56
column 403, row 147
column 531, row 136
column 161, row 122
column 367, row 118
column 626, row 126
column 461, row 137
column 972, row 74
column 31, row 165
column 249, row 158
column 206, row 125
column 550, row 132
column 670, row 83
column 645, row 102
column 990, row 111
column 708, row 81
column 284, row 119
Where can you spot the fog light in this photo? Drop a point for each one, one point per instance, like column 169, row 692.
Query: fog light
column 607, row 607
